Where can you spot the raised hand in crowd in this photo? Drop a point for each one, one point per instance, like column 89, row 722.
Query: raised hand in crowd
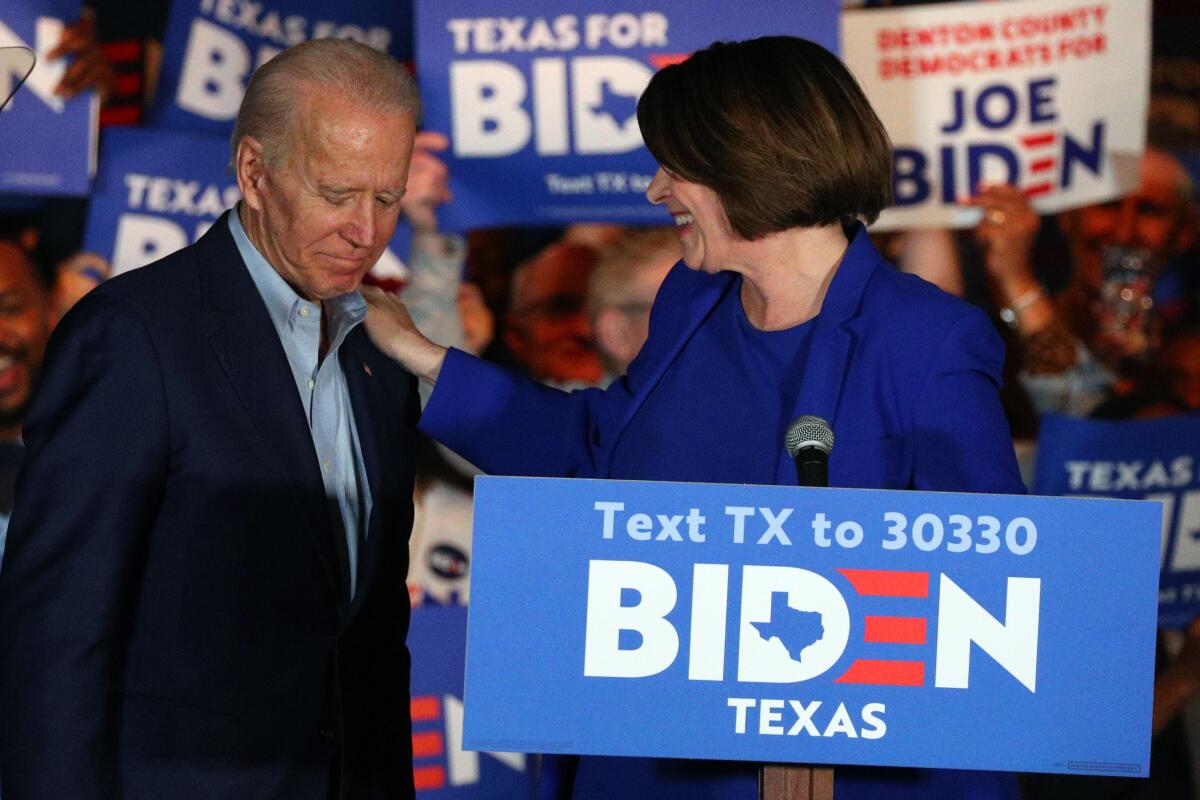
column 90, row 68
column 1006, row 234
column 428, row 184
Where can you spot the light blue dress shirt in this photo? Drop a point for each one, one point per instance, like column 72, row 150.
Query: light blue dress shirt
column 322, row 386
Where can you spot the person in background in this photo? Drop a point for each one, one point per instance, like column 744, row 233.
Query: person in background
column 1073, row 354
column 546, row 328
column 781, row 300
column 25, row 323
column 621, row 292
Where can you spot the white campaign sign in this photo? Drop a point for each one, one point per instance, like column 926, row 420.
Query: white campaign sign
column 1047, row 95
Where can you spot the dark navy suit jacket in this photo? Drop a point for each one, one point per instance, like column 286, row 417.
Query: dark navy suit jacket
column 175, row 621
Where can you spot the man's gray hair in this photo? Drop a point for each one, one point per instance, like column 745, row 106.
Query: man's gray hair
column 344, row 68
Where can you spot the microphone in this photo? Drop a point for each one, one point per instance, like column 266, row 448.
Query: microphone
column 808, row 441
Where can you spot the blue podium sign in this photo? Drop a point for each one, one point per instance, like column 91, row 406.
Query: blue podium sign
column 48, row 144
column 1141, row 460
column 828, row 626
column 541, row 99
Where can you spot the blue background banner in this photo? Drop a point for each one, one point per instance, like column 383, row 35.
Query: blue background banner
column 442, row 770
column 213, row 46
column 845, row 627
column 1141, row 459
column 156, row 192
column 542, row 102
column 48, row 144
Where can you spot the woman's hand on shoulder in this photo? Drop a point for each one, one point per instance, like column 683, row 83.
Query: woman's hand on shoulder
column 391, row 328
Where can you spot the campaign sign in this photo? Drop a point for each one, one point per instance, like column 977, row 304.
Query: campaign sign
column 1142, row 460
column 540, row 102
column 442, row 770
column 825, row 626
column 1046, row 95
column 159, row 191
column 212, row 47
column 48, row 144
column 156, row 192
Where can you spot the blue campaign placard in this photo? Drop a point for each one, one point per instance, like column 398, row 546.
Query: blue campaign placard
column 825, row 626
column 48, row 144
column 213, row 46
column 158, row 191
column 540, row 101
column 1142, row 460
column 442, row 770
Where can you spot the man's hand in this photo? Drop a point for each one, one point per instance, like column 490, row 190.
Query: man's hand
column 428, row 182
column 90, row 69
column 391, row 328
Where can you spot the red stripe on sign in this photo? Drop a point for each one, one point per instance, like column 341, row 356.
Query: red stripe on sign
column 425, row 709
column 429, row 777
column 1037, row 190
column 127, row 50
column 1041, row 165
column 1039, row 139
column 885, row 673
column 120, row 115
column 427, row 744
column 129, row 83
column 895, row 630
column 886, row 583
column 660, row 60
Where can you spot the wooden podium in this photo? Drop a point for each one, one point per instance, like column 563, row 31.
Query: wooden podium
column 786, row 782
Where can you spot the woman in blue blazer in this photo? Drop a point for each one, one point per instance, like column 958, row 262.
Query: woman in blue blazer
column 771, row 159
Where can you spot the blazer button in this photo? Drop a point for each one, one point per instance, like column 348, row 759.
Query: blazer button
column 327, row 734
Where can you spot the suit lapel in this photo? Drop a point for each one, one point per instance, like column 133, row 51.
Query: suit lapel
column 833, row 338
column 248, row 349
column 371, row 405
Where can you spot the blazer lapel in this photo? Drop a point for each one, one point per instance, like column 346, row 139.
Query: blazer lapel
column 693, row 312
column 833, row 340
column 247, row 346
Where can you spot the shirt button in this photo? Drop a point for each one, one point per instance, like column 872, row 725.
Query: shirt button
column 311, row 383
column 327, row 464
column 304, row 311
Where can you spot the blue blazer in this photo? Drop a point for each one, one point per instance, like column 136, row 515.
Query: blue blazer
column 907, row 375
column 174, row 613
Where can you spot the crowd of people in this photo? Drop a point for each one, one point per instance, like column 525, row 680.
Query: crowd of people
column 1099, row 308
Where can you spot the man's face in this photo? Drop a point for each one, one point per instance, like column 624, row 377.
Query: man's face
column 548, row 329
column 24, row 328
column 1155, row 217
column 323, row 216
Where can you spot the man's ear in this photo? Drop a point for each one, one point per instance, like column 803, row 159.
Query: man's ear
column 251, row 169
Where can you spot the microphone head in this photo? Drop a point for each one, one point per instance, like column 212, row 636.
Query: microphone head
column 808, row 431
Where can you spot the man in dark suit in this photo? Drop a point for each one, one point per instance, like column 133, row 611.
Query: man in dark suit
column 203, row 594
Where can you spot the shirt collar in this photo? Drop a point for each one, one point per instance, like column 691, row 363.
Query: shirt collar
column 286, row 308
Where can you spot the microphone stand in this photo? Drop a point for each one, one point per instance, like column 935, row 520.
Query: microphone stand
column 787, row 781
